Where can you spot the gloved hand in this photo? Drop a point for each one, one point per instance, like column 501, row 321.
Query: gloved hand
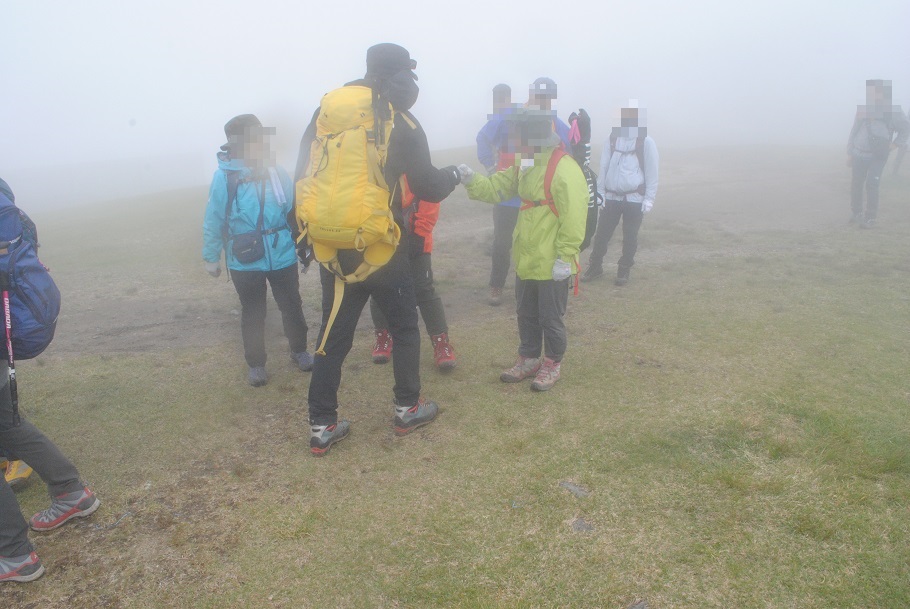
column 454, row 173
column 467, row 174
column 646, row 206
column 561, row 270
column 304, row 255
column 416, row 245
column 213, row 269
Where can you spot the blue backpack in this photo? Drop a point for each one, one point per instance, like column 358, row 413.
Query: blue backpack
column 34, row 299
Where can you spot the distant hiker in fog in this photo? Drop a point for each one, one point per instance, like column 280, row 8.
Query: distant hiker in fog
column 546, row 242
column 628, row 184
column 871, row 140
column 492, row 154
column 247, row 218
column 901, row 151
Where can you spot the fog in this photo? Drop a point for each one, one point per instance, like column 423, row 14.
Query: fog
column 103, row 99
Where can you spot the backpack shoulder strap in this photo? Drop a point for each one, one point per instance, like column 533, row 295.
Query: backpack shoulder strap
column 558, row 153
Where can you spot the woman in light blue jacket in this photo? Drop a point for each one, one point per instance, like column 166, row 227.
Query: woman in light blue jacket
column 256, row 239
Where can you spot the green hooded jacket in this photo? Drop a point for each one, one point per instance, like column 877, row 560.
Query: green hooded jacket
column 540, row 235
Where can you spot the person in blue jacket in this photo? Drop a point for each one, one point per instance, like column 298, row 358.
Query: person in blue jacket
column 257, row 240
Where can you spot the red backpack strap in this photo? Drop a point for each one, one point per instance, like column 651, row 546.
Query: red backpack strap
column 555, row 157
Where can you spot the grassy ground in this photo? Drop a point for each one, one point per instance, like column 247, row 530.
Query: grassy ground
column 730, row 430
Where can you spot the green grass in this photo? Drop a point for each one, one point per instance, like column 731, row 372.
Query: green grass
column 739, row 417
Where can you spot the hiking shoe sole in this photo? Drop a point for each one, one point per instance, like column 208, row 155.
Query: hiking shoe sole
column 24, row 574
column 403, row 431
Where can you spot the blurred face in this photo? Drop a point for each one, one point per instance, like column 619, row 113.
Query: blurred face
column 877, row 95
column 501, row 101
column 628, row 117
column 254, row 147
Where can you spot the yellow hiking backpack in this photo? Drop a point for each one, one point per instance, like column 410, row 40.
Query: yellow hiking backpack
column 343, row 201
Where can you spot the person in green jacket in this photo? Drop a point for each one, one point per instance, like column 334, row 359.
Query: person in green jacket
column 546, row 241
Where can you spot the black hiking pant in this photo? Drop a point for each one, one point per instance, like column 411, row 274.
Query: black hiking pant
column 541, row 308
column 26, row 443
column 251, row 287
column 504, row 219
column 428, row 301
column 866, row 173
column 392, row 288
column 610, row 216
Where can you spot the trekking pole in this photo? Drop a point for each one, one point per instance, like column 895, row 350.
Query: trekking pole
column 13, row 392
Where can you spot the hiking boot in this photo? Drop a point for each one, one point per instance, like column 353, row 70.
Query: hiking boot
column 857, row 218
column 593, row 272
column 17, row 474
column 323, row 436
column 443, row 352
column 868, row 223
column 547, row 375
column 622, row 276
column 525, row 367
column 25, row 568
column 257, row 376
column 64, row 508
column 303, row 360
column 409, row 418
column 382, row 350
column 495, row 298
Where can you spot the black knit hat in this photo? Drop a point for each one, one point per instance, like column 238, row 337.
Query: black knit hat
column 240, row 125
column 387, row 59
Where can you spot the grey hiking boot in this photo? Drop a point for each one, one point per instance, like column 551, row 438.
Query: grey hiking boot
column 26, row 568
column 323, row 436
column 525, row 367
column 622, row 276
column 303, row 360
column 593, row 272
column 546, row 376
column 64, row 508
column 868, row 223
column 409, row 418
column 257, row 376
column 857, row 218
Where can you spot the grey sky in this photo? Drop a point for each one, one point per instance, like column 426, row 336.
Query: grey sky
column 153, row 83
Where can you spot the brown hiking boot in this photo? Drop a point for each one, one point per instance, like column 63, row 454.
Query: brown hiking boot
column 382, row 350
column 443, row 352
column 525, row 367
column 547, row 375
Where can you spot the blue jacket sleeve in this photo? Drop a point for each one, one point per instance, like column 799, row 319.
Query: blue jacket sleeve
column 562, row 130
column 214, row 219
column 487, row 143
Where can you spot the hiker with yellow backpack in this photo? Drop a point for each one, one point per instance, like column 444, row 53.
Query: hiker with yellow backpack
column 359, row 144
column 546, row 241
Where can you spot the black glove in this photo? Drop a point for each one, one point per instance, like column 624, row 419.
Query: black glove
column 455, row 175
column 304, row 253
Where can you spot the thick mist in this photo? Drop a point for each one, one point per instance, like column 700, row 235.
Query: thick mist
column 106, row 99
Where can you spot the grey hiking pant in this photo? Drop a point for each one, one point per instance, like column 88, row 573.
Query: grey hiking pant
column 24, row 442
column 541, row 308
column 610, row 216
column 866, row 173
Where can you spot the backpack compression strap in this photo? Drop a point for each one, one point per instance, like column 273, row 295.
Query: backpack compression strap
column 557, row 154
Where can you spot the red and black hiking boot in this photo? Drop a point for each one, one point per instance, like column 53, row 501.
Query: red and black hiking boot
column 323, row 436
column 382, row 350
column 64, row 508
column 25, row 568
column 409, row 418
column 547, row 375
column 443, row 352
column 525, row 367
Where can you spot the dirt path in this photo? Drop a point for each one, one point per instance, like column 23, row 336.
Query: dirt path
column 145, row 290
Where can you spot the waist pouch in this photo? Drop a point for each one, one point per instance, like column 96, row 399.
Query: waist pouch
column 248, row 247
